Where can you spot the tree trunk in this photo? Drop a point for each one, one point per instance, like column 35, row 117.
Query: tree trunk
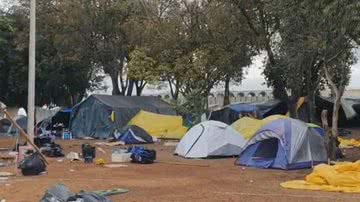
column 330, row 142
column 335, row 114
column 115, row 83
column 174, row 90
column 311, row 106
column 130, row 88
column 227, row 91
column 140, row 85
column 292, row 104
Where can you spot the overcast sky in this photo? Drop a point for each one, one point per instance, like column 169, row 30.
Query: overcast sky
column 254, row 79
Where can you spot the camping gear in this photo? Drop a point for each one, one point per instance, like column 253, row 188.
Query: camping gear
column 248, row 126
column 58, row 193
column 73, row 156
column 142, row 155
column 23, row 134
column 52, row 150
column 32, row 165
column 62, row 117
column 284, row 144
column 209, row 139
column 120, row 156
column 88, row 152
column 133, row 135
column 159, row 125
column 67, row 135
column 92, row 117
column 61, row 193
column 230, row 113
column 40, row 141
column 342, row 177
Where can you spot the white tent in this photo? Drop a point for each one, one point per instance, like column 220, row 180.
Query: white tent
column 210, row 138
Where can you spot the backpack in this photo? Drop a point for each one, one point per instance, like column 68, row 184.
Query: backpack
column 32, row 165
column 141, row 155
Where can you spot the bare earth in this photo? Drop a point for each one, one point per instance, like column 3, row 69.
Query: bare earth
column 201, row 180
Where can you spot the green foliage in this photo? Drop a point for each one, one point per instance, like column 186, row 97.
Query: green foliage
column 142, row 67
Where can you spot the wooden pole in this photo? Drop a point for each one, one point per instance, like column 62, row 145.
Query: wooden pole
column 24, row 135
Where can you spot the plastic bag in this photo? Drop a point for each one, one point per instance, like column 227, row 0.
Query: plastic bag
column 32, row 165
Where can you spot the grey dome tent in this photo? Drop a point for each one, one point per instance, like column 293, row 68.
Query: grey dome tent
column 284, row 144
column 210, row 139
column 99, row 115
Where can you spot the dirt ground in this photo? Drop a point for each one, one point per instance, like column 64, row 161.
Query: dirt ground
column 198, row 180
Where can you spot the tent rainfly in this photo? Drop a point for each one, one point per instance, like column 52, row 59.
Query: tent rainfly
column 99, row 115
column 159, row 125
column 284, row 144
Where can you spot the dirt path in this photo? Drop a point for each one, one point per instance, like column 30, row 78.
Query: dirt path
column 215, row 180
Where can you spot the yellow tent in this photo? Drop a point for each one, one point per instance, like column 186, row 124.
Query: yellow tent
column 160, row 126
column 343, row 177
column 249, row 126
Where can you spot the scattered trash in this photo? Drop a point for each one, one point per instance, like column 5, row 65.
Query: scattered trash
column 6, row 174
column 60, row 160
column 100, row 162
column 87, row 138
column 13, row 153
column 116, row 166
column 171, row 143
column 110, row 144
column 120, row 156
column 3, row 178
column 71, row 170
column 141, row 155
column 73, row 156
column 61, row 193
column 52, row 150
column 88, row 152
column 88, row 197
column 42, row 140
column 111, row 192
column 101, row 150
column 58, row 193
column 32, row 165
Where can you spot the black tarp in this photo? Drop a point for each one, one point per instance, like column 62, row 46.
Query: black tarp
column 92, row 117
column 231, row 113
column 322, row 103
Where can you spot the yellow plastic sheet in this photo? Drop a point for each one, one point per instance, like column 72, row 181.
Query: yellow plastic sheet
column 249, row 126
column 348, row 143
column 344, row 177
column 160, row 126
